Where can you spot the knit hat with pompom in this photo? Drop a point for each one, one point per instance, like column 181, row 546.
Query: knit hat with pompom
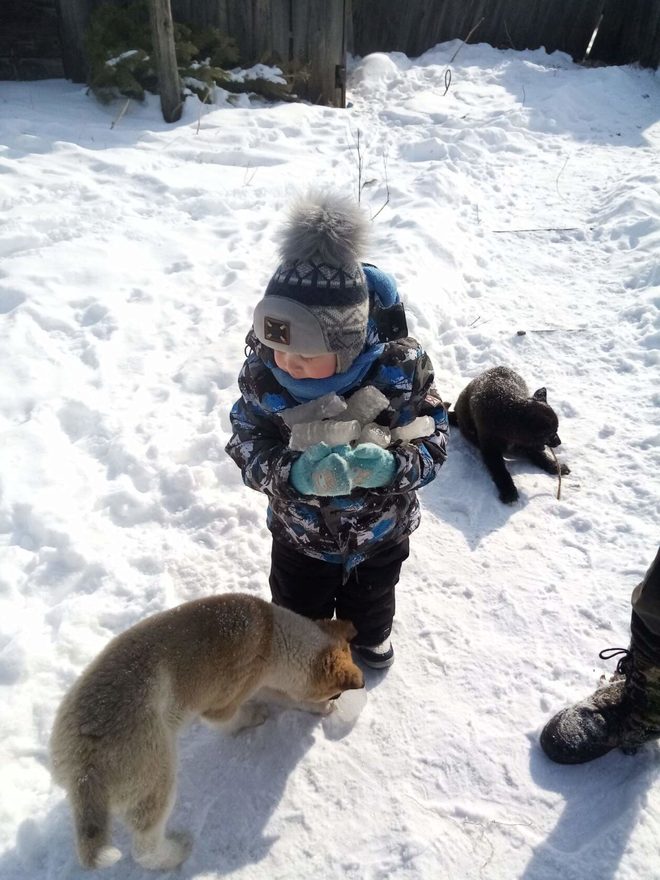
column 317, row 302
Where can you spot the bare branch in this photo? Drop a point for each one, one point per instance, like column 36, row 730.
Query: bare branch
column 359, row 154
column 247, row 180
column 451, row 60
column 199, row 117
column 538, row 229
column 123, row 110
column 508, row 34
column 387, row 187
column 557, row 180
column 558, row 466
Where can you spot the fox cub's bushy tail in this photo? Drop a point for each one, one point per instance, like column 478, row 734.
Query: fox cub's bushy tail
column 89, row 799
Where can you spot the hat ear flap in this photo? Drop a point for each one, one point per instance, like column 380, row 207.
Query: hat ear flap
column 541, row 394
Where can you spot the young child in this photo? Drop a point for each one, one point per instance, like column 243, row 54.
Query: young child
column 338, row 424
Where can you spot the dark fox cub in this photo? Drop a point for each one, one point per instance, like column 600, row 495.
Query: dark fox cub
column 495, row 411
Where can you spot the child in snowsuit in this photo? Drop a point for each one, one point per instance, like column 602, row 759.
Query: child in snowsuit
column 338, row 423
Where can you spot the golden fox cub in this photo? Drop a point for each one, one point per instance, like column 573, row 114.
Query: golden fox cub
column 113, row 745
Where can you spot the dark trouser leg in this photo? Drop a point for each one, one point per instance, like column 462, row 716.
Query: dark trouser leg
column 303, row 584
column 645, row 623
column 367, row 598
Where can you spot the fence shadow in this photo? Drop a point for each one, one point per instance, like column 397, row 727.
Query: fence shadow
column 602, row 803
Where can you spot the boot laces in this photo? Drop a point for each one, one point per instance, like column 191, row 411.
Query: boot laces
column 626, row 661
column 635, row 686
column 639, row 711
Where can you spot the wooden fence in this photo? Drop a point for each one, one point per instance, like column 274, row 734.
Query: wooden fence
column 29, row 40
column 312, row 35
column 628, row 30
column 308, row 34
column 305, row 34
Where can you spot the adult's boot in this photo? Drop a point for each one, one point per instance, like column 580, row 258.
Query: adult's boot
column 624, row 713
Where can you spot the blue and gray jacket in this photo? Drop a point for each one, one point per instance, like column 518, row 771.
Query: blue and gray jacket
column 349, row 528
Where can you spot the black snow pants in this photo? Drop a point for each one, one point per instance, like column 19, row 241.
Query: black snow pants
column 316, row 589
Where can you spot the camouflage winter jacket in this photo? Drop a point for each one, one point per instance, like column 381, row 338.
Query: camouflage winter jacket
column 349, row 528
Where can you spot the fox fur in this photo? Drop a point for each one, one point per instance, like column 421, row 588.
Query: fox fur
column 496, row 412
column 113, row 745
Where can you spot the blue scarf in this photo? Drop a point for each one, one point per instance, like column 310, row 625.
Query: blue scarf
column 303, row 390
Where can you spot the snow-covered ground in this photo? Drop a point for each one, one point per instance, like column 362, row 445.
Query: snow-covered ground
column 526, row 198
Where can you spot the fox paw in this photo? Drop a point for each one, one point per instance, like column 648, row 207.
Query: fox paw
column 250, row 715
column 314, row 707
column 325, row 708
column 509, row 496
column 106, row 857
column 169, row 854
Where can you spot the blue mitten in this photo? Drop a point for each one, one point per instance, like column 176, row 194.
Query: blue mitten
column 371, row 466
column 303, row 468
column 331, row 476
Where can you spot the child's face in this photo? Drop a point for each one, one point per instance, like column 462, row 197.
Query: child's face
column 321, row 366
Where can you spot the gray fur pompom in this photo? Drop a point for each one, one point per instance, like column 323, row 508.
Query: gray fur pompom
column 327, row 228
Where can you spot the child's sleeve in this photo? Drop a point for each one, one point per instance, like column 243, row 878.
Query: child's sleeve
column 257, row 447
column 418, row 461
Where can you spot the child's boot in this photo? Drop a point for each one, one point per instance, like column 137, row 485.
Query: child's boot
column 377, row 656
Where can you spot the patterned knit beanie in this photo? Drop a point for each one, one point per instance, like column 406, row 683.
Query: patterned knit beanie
column 317, row 302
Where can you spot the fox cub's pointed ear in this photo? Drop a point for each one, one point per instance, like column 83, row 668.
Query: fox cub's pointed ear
column 541, row 394
column 337, row 671
column 344, row 674
column 345, row 629
column 342, row 629
column 353, row 678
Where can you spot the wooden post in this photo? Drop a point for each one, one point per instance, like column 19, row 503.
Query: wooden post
column 319, row 40
column 162, row 30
